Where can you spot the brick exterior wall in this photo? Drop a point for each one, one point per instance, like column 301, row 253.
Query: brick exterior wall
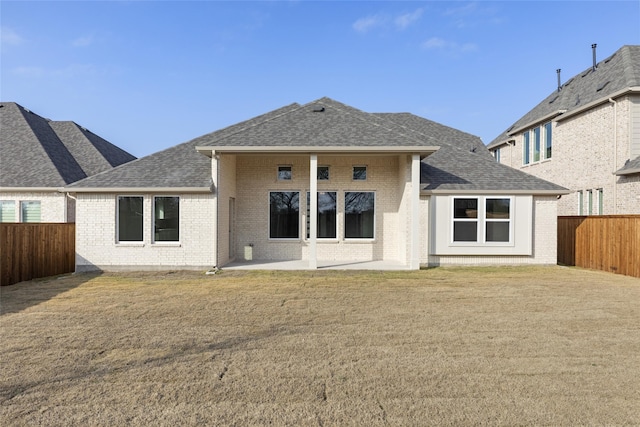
column 54, row 206
column 256, row 176
column 583, row 159
column 96, row 247
column 544, row 241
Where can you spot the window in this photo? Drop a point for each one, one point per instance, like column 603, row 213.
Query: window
column 323, row 173
column 590, row 195
column 496, row 154
column 580, row 203
column 525, row 149
column 548, row 140
column 130, row 218
column 497, row 220
column 30, row 211
column 600, row 201
column 284, row 214
column 359, row 218
column 480, row 219
column 166, row 219
column 326, row 214
column 7, row 211
column 284, row 173
column 536, row 144
column 359, row 173
column 465, row 220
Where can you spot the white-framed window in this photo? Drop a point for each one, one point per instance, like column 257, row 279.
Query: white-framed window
column 526, row 147
column 496, row 154
column 7, row 211
column 323, row 173
column 590, row 197
column 30, row 211
column 130, row 219
column 535, row 134
column 483, row 219
column 285, row 173
column 359, row 214
column 327, row 214
column 166, row 219
column 580, row 202
column 548, row 140
column 600, row 201
column 359, row 173
column 284, row 215
column 537, row 144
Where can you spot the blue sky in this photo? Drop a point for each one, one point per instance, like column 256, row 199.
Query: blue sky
column 147, row 75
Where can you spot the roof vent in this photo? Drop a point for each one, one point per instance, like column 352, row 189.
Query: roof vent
column 318, row 109
column 559, row 85
column 606, row 61
column 602, row 86
column 595, row 64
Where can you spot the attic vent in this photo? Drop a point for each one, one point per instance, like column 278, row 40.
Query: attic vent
column 587, row 73
column 606, row 61
column 511, row 128
column 554, row 99
column 569, row 82
column 602, row 86
column 318, row 109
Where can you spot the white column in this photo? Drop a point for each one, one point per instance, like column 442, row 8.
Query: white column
column 414, row 263
column 313, row 211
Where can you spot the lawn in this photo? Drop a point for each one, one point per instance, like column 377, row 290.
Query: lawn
column 468, row 346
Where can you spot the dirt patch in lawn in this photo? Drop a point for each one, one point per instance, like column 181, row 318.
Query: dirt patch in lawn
column 494, row 346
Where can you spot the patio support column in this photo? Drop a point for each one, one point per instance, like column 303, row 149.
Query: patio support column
column 414, row 262
column 313, row 211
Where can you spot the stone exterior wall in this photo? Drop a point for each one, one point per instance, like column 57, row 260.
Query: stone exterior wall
column 97, row 249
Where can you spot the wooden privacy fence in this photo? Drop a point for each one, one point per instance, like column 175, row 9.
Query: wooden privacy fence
column 608, row 242
column 30, row 251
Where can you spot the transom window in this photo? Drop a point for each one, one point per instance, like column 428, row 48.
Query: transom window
column 166, row 218
column 130, row 219
column 327, row 208
column 359, row 214
column 284, row 173
column 482, row 219
column 323, row 173
column 284, row 215
column 359, row 173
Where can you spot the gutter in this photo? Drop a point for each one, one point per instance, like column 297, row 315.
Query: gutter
column 498, row 192
column 424, row 151
column 536, row 121
column 135, row 190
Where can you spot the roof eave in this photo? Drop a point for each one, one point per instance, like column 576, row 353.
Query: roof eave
column 531, row 124
column 30, row 189
column 181, row 190
column 603, row 100
column 629, row 171
column 497, row 192
column 424, row 151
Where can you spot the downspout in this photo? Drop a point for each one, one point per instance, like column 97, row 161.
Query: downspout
column 615, row 154
column 215, row 158
column 66, row 208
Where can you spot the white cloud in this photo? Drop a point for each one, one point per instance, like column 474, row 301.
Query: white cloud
column 448, row 46
column 83, row 41
column 403, row 21
column 10, row 37
column 363, row 25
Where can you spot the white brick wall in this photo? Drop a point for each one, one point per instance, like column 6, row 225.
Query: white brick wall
column 53, row 205
column 96, row 246
column 583, row 159
column 257, row 175
column 544, row 240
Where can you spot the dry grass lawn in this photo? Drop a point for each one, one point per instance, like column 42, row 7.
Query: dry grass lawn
column 470, row 346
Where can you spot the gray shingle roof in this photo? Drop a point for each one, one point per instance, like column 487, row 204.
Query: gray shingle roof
column 36, row 152
column 463, row 162
column 631, row 167
column 615, row 73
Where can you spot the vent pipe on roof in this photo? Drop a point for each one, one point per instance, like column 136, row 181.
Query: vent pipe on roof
column 559, row 85
column 593, row 48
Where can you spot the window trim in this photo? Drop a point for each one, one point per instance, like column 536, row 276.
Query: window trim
column 13, row 208
column 344, row 214
column 481, row 221
column 526, row 148
column 153, row 221
column 283, row 239
column 21, row 212
column 128, row 242
column 547, row 141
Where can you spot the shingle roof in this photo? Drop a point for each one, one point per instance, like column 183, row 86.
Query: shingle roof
column 612, row 75
column 631, row 167
column 36, row 152
column 463, row 162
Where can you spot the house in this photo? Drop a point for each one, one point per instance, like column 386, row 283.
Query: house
column 323, row 183
column 585, row 136
column 38, row 157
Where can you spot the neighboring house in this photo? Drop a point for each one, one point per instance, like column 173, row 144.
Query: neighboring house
column 38, row 157
column 585, row 136
column 324, row 183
